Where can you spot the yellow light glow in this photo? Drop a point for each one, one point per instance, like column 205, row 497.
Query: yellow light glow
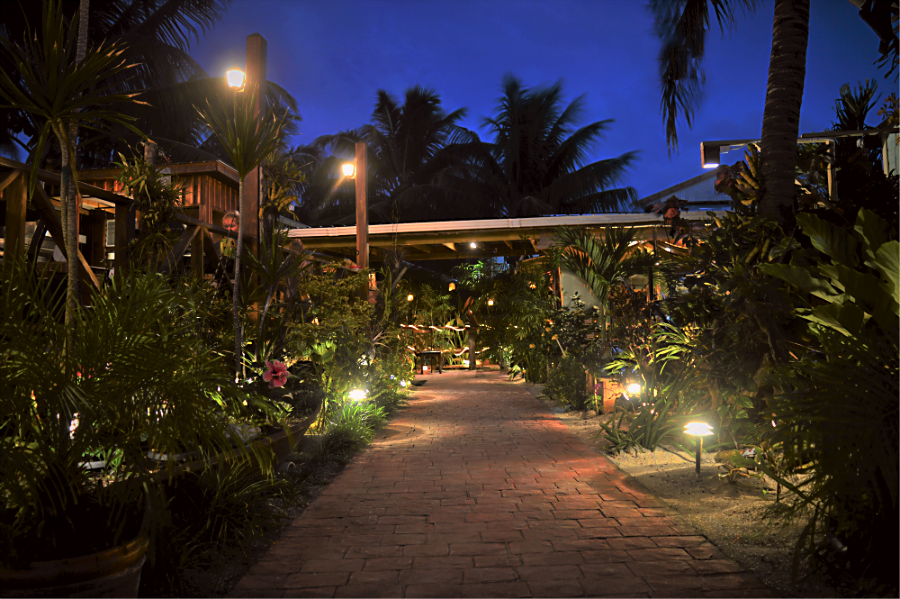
column 698, row 429
column 348, row 169
column 410, row 297
column 490, row 302
column 235, row 79
column 634, row 388
column 358, row 394
column 473, row 245
column 452, row 286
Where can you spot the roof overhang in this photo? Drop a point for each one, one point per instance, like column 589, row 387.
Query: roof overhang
column 445, row 240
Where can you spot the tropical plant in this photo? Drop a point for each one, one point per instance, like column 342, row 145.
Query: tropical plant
column 837, row 412
column 137, row 379
column 158, row 199
column 247, row 138
column 537, row 162
column 48, row 81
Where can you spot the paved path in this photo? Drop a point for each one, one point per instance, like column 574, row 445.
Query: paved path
column 476, row 490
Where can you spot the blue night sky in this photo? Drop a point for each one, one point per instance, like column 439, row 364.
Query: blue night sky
column 333, row 56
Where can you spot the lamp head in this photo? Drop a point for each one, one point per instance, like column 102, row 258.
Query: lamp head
column 490, row 302
column 452, row 286
column 348, row 170
column 358, row 394
column 236, row 79
column 698, row 429
column 634, row 388
column 473, row 245
column 709, row 155
column 410, row 297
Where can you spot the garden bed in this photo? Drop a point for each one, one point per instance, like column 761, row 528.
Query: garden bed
column 731, row 515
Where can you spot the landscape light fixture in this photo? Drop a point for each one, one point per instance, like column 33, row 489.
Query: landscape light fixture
column 410, row 297
column 348, row 169
column 709, row 155
column 236, row 79
column 634, row 388
column 473, row 245
column 490, row 302
column 358, row 394
column 452, row 286
column 699, row 430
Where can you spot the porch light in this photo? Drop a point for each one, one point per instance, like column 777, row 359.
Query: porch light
column 709, row 155
column 236, row 79
column 348, row 169
column 699, row 430
column 358, row 394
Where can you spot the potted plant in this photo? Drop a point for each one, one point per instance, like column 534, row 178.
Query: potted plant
column 135, row 378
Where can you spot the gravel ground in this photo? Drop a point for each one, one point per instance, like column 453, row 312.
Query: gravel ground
column 731, row 515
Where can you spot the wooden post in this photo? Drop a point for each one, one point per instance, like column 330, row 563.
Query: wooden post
column 16, row 195
column 125, row 219
column 362, row 209
column 96, row 238
column 197, row 269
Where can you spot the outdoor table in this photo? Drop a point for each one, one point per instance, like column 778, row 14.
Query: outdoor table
column 431, row 355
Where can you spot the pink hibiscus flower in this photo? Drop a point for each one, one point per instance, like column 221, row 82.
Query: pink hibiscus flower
column 276, row 375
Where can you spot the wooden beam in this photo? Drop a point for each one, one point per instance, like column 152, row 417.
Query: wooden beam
column 425, row 249
column 173, row 260
column 9, row 179
column 450, row 246
column 48, row 213
column 16, row 195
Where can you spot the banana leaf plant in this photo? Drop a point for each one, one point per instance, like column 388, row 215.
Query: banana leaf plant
column 247, row 138
column 50, row 83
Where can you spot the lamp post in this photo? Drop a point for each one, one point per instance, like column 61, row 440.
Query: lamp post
column 699, row 430
column 357, row 170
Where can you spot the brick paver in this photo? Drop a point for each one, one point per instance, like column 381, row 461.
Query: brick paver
column 476, row 490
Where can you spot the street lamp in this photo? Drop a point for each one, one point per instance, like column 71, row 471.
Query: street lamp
column 709, row 155
column 236, row 79
column 699, row 430
column 348, row 170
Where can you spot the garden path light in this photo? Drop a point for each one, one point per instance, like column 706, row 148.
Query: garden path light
column 699, row 430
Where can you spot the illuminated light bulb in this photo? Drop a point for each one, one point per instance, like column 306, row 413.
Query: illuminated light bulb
column 410, row 297
column 235, row 78
column 348, row 169
column 490, row 302
column 473, row 245
column 698, row 429
column 358, row 394
column 634, row 388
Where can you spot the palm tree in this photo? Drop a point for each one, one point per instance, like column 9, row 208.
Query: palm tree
column 48, row 82
column 409, row 144
column 682, row 26
column 537, row 161
column 247, row 138
column 158, row 34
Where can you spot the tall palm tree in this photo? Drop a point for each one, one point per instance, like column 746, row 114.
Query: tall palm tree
column 682, row 26
column 538, row 163
column 408, row 145
column 247, row 138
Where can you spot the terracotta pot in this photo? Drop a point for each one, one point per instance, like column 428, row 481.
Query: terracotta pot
column 115, row 572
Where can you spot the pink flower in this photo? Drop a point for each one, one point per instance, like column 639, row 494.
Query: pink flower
column 276, row 375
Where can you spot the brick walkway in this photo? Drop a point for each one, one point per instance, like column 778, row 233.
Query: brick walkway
column 476, row 490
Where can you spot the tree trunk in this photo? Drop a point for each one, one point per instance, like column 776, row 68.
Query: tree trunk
column 472, row 334
column 784, row 95
column 236, row 294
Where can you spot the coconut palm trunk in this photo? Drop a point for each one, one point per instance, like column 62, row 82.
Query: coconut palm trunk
column 784, row 95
